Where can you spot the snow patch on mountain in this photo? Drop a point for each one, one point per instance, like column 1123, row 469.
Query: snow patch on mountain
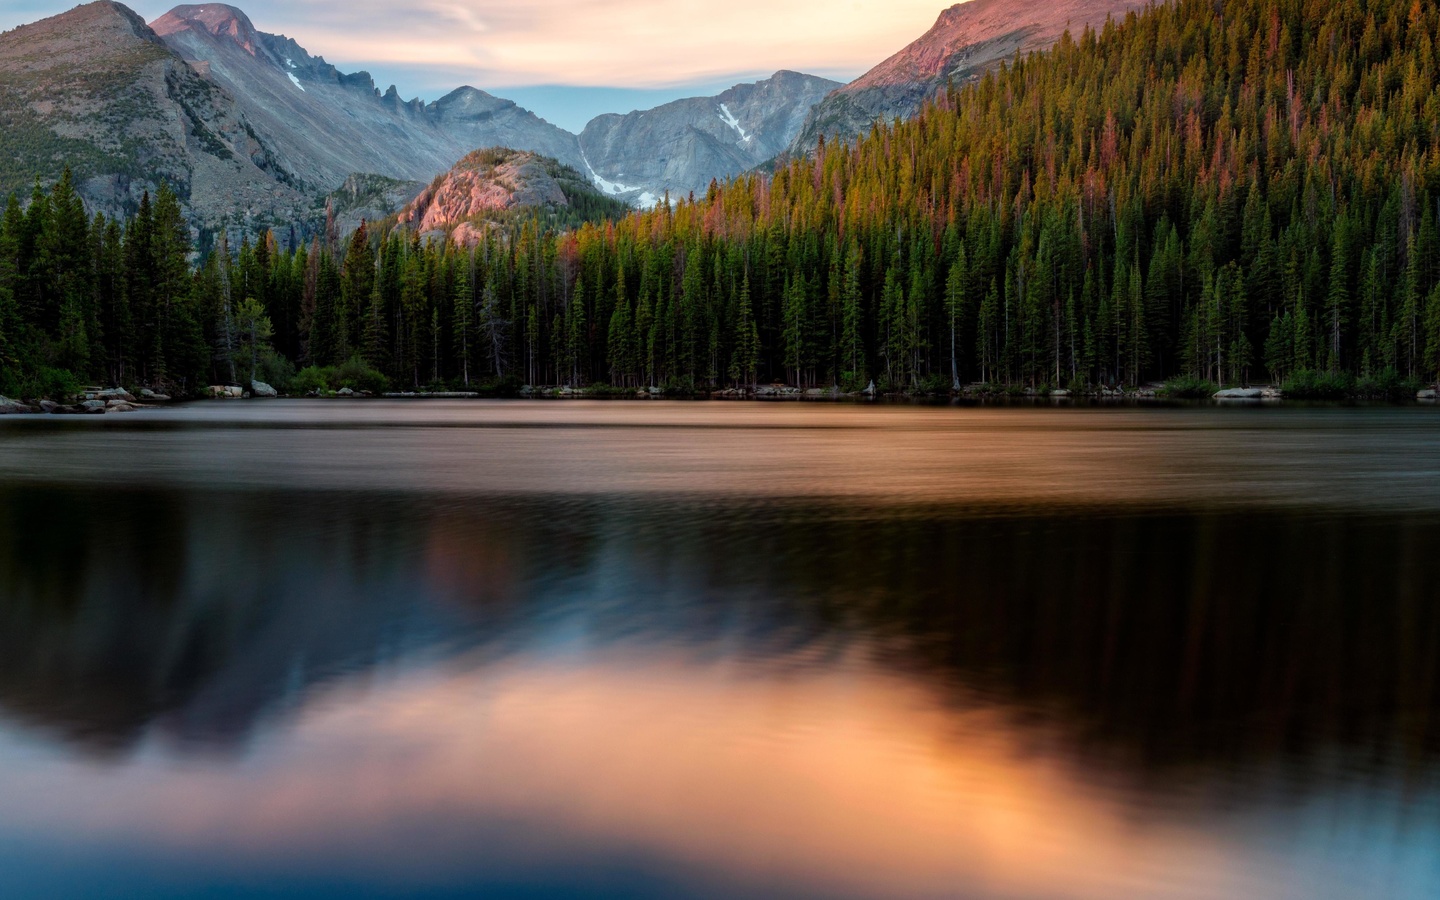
column 295, row 81
column 645, row 199
column 728, row 118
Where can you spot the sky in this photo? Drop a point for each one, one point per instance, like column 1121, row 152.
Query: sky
column 571, row 59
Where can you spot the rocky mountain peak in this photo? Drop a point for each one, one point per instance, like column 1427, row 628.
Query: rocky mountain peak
column 483, row 183
column 90, row 22
column 962, row 33
column 966, row 40
column 217, row 19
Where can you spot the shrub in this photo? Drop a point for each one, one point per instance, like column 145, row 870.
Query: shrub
column 1188, row 387
column 675, row 386
column 358, row 375
column 1307, row 384
column 509, row 386
column 1386, row 385
column 44, row 382
column 276, row 371
column 310, row 380
column 355, row 374
column 932, row 386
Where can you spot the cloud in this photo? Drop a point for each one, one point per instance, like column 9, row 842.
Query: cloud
column 612, row 43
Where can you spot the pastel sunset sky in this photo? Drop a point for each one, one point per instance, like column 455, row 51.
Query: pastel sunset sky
column 571, row 59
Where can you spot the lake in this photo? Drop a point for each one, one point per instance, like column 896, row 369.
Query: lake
column 657, row 650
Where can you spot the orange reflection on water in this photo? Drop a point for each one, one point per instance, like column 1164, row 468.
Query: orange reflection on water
column 847, row 781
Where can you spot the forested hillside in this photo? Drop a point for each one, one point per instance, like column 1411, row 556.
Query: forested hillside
column 1236, row 191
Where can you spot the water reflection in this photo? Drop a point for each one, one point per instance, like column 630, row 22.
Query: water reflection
column 439, row 693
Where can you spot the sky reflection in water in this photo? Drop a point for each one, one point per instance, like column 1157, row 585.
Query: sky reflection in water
column 781, row 684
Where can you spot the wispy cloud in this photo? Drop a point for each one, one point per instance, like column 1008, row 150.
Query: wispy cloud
column 615, row 43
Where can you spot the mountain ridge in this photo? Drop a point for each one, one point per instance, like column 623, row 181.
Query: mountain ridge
column 967, row 40
column 96, row 89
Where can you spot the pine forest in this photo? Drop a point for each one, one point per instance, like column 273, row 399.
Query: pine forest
column 1215, row 192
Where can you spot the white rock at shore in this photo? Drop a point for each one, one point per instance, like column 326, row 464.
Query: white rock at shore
column 261, row 389
column 1240, row 394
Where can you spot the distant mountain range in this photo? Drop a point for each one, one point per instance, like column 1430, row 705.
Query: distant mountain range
column 252, row 130
column 684, row 145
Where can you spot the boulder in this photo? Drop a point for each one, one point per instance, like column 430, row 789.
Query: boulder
column 50, row 406
column 119, row 406
column 344, row 392
column 92, row 406
column 1060, row 394
column 12, row 407
column 1426, row 395
column 111, row 394
column 1240, row 394
column 226, row 391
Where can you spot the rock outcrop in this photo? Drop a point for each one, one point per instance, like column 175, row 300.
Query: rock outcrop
column 486, row 184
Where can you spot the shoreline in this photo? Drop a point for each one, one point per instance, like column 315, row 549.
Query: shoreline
column 50, row 409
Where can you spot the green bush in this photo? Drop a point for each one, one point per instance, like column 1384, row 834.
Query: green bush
column 509, row 386
column 1188, row 387
column 678, row 387
column 358, row 375
column 932, row 386
column 44, row 382
column 355, row 374
column 310, row 380
column 276, row 371
column 1386, row 385
column 1307, row 384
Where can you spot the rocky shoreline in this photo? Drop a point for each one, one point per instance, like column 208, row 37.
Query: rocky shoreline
column 99, row 401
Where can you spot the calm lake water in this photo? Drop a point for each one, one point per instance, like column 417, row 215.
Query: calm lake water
column 370, row 649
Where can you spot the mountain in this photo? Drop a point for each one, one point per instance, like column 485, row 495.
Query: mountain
column 966, row 41
column 489, row 184
column 96, row 89
column 369, row 198
column 251, row 130
column 328, row 125
column 681, row 146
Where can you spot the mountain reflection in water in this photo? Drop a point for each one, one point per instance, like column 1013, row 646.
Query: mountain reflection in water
column 419, row 690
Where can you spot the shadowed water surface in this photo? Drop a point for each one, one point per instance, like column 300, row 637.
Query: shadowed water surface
column 706, row 650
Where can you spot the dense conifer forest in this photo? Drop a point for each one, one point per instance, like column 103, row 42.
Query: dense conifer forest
column 1233, row 192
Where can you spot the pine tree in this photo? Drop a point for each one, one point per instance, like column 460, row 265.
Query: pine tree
column 747, row 339
column 852, row 346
